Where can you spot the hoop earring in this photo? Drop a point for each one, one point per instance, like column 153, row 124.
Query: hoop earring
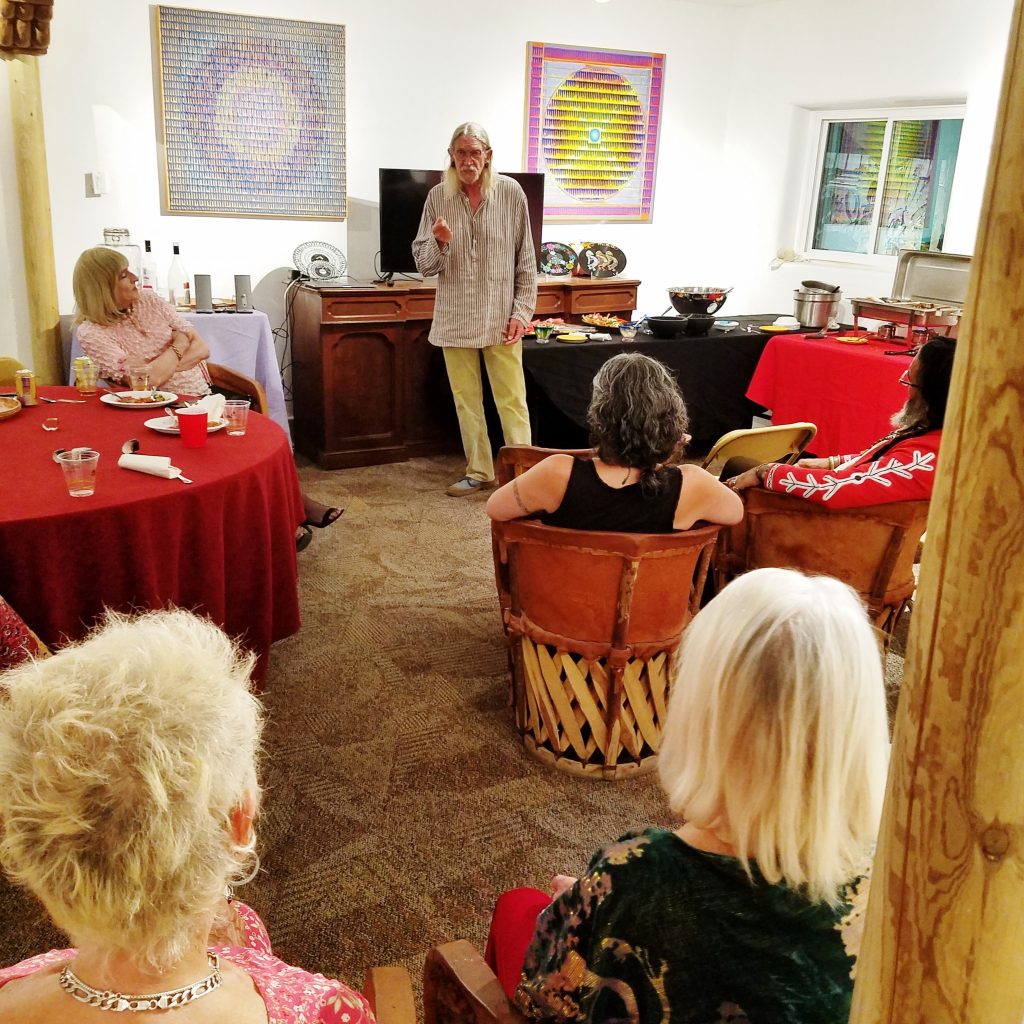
column 229, row 888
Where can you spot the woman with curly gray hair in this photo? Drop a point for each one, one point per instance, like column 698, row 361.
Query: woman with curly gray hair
column 637, row 421
column 127, row 798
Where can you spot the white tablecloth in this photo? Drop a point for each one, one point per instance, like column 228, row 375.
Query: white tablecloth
column 242, row 341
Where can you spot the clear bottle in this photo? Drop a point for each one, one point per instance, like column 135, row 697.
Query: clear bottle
column 148, row 277
column 120, row 239
column 179, row 292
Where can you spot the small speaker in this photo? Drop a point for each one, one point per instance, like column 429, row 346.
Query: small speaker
column 204, row 293
column 243, row 294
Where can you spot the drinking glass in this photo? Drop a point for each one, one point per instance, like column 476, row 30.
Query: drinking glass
column 236, row 412
column 138, row 378
column 79, row 467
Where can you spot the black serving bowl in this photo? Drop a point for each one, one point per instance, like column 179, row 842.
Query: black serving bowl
column 668, row 326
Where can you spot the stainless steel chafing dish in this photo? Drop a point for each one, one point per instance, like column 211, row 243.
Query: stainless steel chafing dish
column 929, row 290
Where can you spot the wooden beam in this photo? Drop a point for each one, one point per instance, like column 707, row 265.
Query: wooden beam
column 945, row 924
column 36, row 225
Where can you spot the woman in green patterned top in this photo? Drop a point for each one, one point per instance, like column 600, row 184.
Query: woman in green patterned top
column 774, row 755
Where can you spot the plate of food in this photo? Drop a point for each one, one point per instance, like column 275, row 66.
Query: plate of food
column 139, row 399
column 603, row 320
column 169, row 425
column 852, row 339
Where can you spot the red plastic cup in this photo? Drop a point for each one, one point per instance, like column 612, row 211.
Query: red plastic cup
column 192, row 424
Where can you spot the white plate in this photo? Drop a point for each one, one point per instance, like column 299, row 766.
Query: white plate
column 114, row 398
column 169, row 425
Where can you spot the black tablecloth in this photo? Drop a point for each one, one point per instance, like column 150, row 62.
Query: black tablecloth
column 713, row 371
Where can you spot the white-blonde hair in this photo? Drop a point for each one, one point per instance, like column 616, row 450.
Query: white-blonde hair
column 471, row 130
column 121, row 760
column 93, row 282
column 776, row 735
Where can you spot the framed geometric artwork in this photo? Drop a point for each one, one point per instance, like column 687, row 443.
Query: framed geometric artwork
column 250, row 114
column 592, row 119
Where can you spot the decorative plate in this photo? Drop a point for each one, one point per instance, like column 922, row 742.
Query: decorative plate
column 599, row 259
column 138, row 399
column 169, row 425
column 9, row 407
column 319, row 261
column 556, row 259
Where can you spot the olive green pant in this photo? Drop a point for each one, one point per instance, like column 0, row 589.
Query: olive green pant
column 504, row 365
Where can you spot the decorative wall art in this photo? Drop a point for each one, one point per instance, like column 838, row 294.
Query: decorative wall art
column 592, row 119
column 251, row 114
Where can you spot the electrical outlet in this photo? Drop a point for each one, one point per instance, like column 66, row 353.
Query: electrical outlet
column 96, row 184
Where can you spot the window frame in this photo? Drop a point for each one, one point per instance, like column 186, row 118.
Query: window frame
column 817, row 138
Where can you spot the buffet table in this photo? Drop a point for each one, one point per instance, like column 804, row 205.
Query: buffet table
column 370, row 388
column 713, row 371
column 849, row 391
column 223, row 545
column 242, row 341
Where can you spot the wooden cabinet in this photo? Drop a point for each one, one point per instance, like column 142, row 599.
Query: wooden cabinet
column 368, row 385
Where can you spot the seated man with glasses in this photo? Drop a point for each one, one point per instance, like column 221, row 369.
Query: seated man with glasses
column 899, row 467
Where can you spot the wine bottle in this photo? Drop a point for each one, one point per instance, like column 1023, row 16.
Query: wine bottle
column 179, row 293
column 149, row 274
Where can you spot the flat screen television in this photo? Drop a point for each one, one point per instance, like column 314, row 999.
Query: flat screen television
column 403, row 191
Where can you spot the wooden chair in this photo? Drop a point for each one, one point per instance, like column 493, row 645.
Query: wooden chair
column 388, row 990
column 223, row 378
column 592, row 621
column 9, row 366
column 872, row 548
column 459, row 988
column 782, row 443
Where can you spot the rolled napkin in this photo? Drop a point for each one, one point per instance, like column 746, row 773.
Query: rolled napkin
column 154, row 465
column 214, row 406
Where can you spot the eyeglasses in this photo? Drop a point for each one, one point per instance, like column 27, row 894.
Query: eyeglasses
column 907, row 382
column 469, row 154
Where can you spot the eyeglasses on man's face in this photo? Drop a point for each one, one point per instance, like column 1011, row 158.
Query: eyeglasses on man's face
column 469, row 154
column 906, row 381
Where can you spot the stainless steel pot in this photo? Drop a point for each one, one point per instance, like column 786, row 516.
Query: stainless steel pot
column 816, row 305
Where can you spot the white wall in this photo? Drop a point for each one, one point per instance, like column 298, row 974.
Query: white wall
column 731, row 139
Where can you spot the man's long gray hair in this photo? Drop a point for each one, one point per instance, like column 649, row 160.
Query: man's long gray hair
column 471, row 130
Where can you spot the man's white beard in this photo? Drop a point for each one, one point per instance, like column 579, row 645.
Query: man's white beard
column 913, row 415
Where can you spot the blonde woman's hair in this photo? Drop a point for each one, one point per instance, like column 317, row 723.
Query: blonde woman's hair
column 471, row 130
column 93, row 284
column 121, row 759
column 776, row 734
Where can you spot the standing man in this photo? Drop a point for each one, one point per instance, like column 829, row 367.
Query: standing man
column 475, row 236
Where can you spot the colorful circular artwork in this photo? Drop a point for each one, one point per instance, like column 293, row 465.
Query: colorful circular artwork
column 556, row 259
column 593, row 135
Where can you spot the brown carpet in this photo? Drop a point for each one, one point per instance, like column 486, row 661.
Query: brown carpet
column 398, row 799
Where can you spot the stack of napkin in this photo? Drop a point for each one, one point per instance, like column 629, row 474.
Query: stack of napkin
column 154, row 465
column 214, row 406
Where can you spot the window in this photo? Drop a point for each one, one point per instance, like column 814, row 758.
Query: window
column 882, row 181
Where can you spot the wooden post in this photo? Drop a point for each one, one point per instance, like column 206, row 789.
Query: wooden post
column 944, row 939
column 36, row 226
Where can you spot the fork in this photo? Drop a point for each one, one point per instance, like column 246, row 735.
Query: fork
column 66, row 401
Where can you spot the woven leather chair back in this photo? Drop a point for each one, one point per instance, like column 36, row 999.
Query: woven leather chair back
column 9, row 366
column 224, row 379
column 872, row 549
column 592, row 620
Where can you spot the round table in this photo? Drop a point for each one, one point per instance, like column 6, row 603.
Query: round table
column 223, row 546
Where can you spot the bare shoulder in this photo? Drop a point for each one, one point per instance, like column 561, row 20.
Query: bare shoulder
column 704, row 496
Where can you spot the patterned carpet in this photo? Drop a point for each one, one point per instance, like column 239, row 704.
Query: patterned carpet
column 398, row 799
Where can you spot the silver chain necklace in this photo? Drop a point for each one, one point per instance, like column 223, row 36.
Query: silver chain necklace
column 116, row 1001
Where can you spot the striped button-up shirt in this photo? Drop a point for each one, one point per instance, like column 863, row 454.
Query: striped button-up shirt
column 487, row 273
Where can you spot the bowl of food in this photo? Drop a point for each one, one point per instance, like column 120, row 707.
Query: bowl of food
column 699, row 299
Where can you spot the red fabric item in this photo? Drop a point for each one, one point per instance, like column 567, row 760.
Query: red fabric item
column 512, row 926
column 17, row 641
column 223, row 546
column 849, row 392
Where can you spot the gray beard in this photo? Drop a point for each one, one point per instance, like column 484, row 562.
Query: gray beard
column 913, row 415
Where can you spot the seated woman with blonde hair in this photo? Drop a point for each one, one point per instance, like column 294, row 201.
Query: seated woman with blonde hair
column 127, row 797
column 637, row 421
column 774, row 757
column 121, row 327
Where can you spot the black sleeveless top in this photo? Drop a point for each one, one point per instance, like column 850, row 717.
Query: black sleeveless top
column 590, row 504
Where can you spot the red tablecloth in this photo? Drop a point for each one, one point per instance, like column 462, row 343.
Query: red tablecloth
column 223, row 545
column 849, row 391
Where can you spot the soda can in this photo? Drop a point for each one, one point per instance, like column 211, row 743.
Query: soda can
column 25, row 387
